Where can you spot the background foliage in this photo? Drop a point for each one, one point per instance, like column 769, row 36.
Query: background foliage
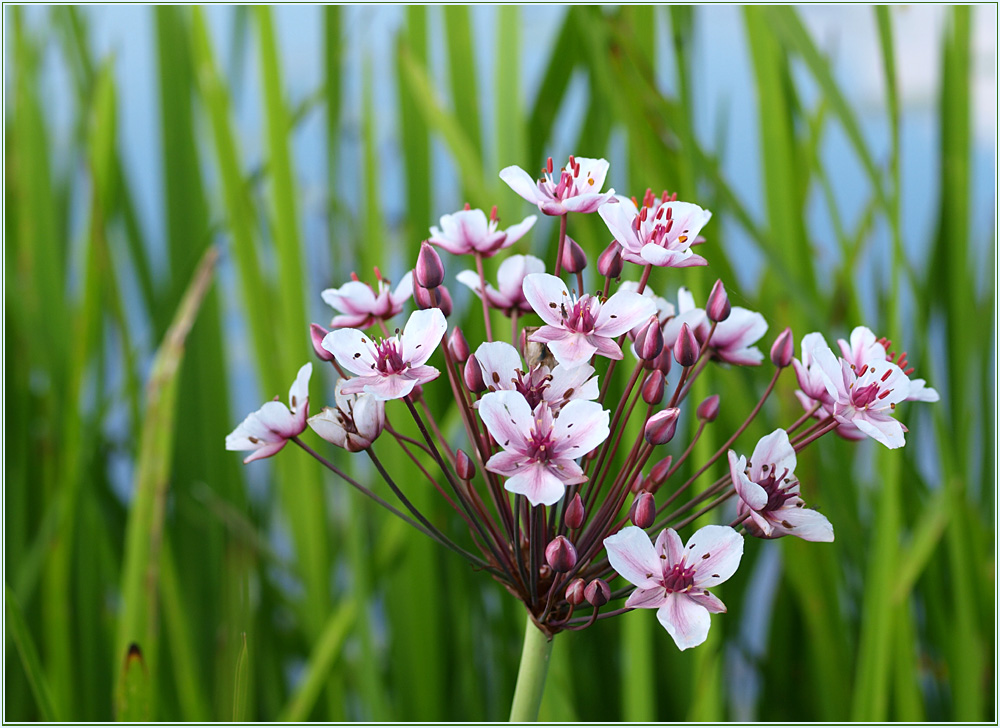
column 272, row 592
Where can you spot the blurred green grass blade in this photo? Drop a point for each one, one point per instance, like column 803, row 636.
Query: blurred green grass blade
column 639, row 682
column 510, row 144
column 325, row 653
column 133, row 703
column 145, row 523
column 907, row 696
column 18, row 631
column 466, row 159
column 415, row 136
column 462, row 72
column 927, row 532
column 784, row 23
column 332, row 94
column 242, row 682
column 370, row 251
column 555, row 81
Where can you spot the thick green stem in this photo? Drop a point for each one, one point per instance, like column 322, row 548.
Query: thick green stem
column 531, row 675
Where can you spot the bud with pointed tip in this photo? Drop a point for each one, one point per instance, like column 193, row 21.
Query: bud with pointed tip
column 610, row 263
column 429, row 270
column 432, row 298
column 473, row 376
column 560, row 554
column 575, row 592
column 661, row 427
column 637, row 486
column 718, row 307
column 708, row 410
column 464, row 466
column 575, row 513
column 597, row 592
column 574, row 259
column 783, row 349
column 317, row 333
column 649, row 340
column 662, row 362
column 653, row 388
column 458, row 347
column 644, row 510
column 686, row 349
column 658, row 474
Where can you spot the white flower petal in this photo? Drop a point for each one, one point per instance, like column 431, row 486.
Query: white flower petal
column 631, row 554
column 422, row 335
column 685, row 620
column 714, row 552
column 547, row 295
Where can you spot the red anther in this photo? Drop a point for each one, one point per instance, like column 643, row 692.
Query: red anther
column 354, row 276
column 493, row 214
column 576, row 169
column 643, row 214
column 467, row 206
column 572, row 161
column 548, row 165
column 670, row 213
column 378, row 273
column 659, row 213
column 648, row 198
column 673, row 197
column 863, row 370
column 884, row 394
column 888, row 373
column 909, row 371
column 635, row 201
column 670, row 223
column 902, row 357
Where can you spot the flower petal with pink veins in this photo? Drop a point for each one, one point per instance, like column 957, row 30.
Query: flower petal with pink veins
column 499, row 362
column 422, row 335
column 621, row 312
column 631, row 554
column 276, row 417
column 751, row 493
column 618, row 216
column 522, row 183
column 546, row 334
column 879, row 427
column 298, row 394
column 518, row 231
column 647, row 598
column 511, row 274
column 395, row 386
column 505, row 463
column 352, row 348
column 588, row 202
column 536, row 483
column 606, row 347
column 708, row 600
column 805, row 523
column 264, row 452
column 508, row 417
column 351, row 298
column 572, row 350
column 685, row 620
column 581, row 426
column 547, row 295
column 669, row 544
column 772, row 450
column 715, row 553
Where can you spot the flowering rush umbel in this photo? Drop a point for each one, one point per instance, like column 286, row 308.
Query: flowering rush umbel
column 571, row 470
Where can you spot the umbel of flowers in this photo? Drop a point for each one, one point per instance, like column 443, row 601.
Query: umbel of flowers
column 572, row 515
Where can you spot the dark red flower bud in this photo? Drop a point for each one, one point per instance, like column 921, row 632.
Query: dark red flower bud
column 429, row 269
column 709, row 409
column 576, row 592
column 653, row 388
column 644, row 510
column 458, row 347
column 686, row 349
column 661, row 427
column 597, row 592
column 649, row 340
column 718, row 306
column 575, row 513
column 560, row 554
column 658, row 474
column 473, row 376
column 317, row 333
column 783, row 349
column 637, row 486
column 662, row 362
column 610, row 263
column 574, row 259
column 464, row 466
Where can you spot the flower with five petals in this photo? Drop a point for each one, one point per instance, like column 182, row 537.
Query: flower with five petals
column 268, row 429
column 468, row 231
column 660, row 234
column 360, row 306
column 578, row 188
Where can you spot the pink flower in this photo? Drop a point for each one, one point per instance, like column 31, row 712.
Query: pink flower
column 864, row 347
column 391, row 368
column 510, row 279
column 660, row 234
column 361, row 307
column 577, row 328
column 354, row 424
column 733, row 340
column 539, row 450
column 268, row 429
column 672, row 578
column 502, row 370
column 865, row 397
column 578, row 188
column 808, row 371
column 769, row 492
column 468, row 231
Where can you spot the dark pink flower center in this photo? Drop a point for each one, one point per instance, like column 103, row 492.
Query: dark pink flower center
column 569, row 185
column 679, row 578
column 389, row 357
column 777, row 488
column 541, row 447
column 863, row 397
column 532, row 385
column 581, row 315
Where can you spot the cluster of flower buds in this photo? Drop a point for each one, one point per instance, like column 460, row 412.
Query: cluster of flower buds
column 550, row 476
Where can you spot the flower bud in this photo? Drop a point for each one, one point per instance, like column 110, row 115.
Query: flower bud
column 686, row 349
column 783, row 349
column 575, row 592
column 575, row 513
column 473, row 376
column 644, row 510
column 637, row 486
column 574, row 259
column 653, row 388
column 597, row 592
column 661, row 427
column 316, row 333
column 458, row 347
column 610, row 263
column 663, row 361
column 649, row 340
column 560, row 554
column 718, row 306
column 709, row 409
column 429, row 270
column 464, row 466
column 658, row 474
column 432, row 298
